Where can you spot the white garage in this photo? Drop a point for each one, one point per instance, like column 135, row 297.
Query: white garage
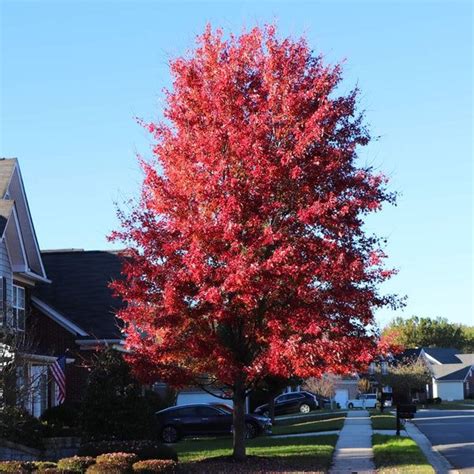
column 448, row 390
column 199, row 396
column 341, row 396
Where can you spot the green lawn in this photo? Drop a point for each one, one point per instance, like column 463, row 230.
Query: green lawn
column 327, row 422
column 393, row 454
column 294, row 453
column 383, row 421
column 457, row 405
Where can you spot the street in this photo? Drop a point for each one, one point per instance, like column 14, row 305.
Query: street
column 452, row 433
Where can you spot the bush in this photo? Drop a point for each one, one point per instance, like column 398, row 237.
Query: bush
column 18, row 426
column 62, row 420
column 41, row 466
column 117, row 458
column 156, row 465
column 17, row 467
column 113, row 406
column 76, row 463
column 144, row 449
column 110, row 468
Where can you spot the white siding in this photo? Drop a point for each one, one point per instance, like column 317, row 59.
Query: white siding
column 448, row 390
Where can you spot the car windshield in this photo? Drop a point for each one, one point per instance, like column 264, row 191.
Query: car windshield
column 223, row 407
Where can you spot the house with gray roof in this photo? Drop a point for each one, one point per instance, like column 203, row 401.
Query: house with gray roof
column 452, row 372
column 53, row 304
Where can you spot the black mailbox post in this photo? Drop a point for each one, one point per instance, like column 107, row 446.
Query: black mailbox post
column 406, row 412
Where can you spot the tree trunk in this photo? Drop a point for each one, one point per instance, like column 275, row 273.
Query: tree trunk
column 239, row 423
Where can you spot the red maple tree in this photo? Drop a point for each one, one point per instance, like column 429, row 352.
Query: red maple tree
column 247, row 256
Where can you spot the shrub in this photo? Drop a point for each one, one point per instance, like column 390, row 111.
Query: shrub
column 151, row 466
column 113, row 406
column 76, row 463
column 54, row 470
column 14, row 467
column 144, row 449
column 41, row 466
column 110, row 468
column 62, row 420
column 18, row 426
column 117, row 458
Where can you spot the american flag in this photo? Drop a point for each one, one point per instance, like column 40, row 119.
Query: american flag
column 58, row 371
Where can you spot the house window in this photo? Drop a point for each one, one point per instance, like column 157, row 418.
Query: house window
column 19, row 307
column 384, row 368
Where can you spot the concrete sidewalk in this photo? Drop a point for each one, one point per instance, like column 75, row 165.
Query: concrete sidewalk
column 354, row 446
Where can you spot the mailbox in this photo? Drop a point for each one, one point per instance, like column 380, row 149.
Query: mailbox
column 405, row 412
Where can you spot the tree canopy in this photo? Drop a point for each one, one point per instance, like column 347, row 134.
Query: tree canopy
column 247, row 256
column 430, row 332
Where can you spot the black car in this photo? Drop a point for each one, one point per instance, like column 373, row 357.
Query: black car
column 210, row 419
column 302, row 402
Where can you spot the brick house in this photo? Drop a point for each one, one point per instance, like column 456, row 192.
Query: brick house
column 54, row 303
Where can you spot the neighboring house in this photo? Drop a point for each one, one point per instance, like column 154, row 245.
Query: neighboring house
column 452, row 373
column 52, row 303
column 76, row 311
column 346, row 388
column 21, row 270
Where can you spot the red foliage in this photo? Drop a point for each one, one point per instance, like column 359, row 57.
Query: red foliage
column 246, row 252
column 389, row 343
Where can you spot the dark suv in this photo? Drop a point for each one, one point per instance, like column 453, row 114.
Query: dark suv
column 302, row 402
column 210, row 419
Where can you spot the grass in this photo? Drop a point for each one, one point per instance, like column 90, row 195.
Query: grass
column 456, row 405
column 383, row 421
column 327, row 422
column 393, row 454
column 295, row 453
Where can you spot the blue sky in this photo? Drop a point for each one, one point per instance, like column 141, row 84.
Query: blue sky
column 74, row 74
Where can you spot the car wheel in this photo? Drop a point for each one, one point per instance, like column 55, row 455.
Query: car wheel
column 250, row 430
column 170, row 434
column 351, row 405
column 305, row 408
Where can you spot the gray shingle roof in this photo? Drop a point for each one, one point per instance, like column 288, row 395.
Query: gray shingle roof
column 457, row 375
column 6, row 207
column 443, row 355
column 7, row 165
column 79, row 289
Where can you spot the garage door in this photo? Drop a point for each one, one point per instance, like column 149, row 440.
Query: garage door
column 185, row 398
column 341, row 397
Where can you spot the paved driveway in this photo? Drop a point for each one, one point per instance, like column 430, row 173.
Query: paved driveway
column 452, row 433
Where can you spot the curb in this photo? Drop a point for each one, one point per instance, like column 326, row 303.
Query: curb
column 440, row 464
column 302, row 435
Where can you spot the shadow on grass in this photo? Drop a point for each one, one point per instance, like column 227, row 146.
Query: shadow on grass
column 265, row 454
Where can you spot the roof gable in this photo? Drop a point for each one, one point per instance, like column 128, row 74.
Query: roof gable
column 6, row 208
column 13, row 201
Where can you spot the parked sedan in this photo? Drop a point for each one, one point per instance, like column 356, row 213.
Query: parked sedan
column 296, row 402
column 210, row 419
